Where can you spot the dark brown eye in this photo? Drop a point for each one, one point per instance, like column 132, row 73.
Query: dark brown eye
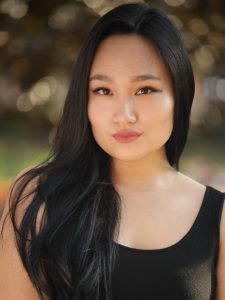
column 96, row 91
column 146, row 89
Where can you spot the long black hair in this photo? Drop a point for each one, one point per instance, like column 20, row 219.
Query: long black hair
column 72, row 255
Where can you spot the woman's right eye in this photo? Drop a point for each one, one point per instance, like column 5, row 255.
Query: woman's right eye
column 100, row 89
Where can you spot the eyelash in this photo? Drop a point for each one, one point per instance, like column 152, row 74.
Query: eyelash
column 145, row 87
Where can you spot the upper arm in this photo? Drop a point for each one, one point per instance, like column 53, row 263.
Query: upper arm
column 220, row 290
column 14, row 280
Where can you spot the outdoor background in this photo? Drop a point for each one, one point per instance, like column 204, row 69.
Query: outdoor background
column 39, row 42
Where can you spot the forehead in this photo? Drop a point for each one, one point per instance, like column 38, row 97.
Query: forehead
column 128, row 53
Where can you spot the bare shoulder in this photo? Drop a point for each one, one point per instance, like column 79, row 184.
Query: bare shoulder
column 15, row 188
column 190, row 187
column 14, row 280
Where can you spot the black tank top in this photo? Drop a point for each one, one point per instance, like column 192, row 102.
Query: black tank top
column 184, row 271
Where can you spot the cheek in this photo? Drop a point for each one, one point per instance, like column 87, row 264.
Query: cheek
column 93, row 113
column 97, row 114
column 160, row 111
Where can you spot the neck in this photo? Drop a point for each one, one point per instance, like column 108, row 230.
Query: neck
column 153, row 172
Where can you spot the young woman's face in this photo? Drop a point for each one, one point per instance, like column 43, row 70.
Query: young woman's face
column 118, row 101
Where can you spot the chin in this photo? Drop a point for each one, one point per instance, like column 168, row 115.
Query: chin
column 126, row 155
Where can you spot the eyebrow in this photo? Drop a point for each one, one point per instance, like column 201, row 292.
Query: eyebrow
column 133, row 79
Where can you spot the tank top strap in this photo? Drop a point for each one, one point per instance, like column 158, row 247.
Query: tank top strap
column 214, row 207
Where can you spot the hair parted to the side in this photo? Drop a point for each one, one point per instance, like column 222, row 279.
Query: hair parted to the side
column 72, row 256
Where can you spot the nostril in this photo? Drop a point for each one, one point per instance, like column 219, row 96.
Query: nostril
column 125, row 118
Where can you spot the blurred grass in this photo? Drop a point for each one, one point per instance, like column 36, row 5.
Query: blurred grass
column 212, row 151
column 16, row 155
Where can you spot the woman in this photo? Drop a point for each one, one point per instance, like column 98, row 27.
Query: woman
column 110, row 216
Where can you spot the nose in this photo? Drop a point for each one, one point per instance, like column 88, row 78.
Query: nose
column 124, row 112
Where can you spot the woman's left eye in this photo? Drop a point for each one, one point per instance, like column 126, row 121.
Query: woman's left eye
column 146, row 88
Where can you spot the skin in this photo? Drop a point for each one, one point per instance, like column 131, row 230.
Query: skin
column 140, row 169
column 123, row 104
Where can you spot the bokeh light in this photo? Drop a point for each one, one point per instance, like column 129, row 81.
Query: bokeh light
column 94, row 4
column 174, row 3
column 198, row 26
column 4, row 37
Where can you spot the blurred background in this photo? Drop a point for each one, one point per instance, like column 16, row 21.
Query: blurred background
column 39, row 42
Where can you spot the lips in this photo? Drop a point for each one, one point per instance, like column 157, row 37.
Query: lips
column 126, row 134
